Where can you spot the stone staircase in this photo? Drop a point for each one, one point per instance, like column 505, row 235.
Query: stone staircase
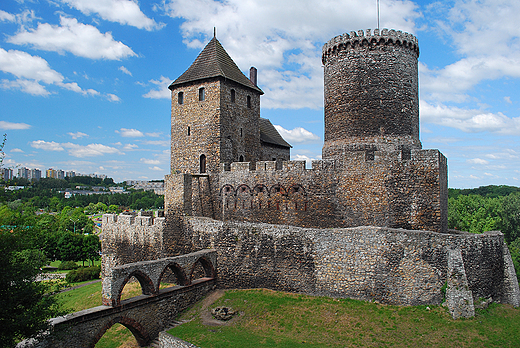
column 174, row 323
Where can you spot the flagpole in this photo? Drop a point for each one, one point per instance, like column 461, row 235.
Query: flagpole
column 377, row 14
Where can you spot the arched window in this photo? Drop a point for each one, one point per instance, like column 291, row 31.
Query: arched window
column 202, row 95
column 232, row 95
column 180, row 98
column 249, row 102
column 241, row 158
column 203, row 163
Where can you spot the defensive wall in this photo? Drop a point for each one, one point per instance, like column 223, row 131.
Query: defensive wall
column 393, row 266
column 145, row 315
column 395, row 189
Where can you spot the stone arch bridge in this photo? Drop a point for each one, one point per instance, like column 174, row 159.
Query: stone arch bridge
column 145, row 315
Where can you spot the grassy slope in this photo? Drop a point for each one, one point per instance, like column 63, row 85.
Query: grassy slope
column 275, row 319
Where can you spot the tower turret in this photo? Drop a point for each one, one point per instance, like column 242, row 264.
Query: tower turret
column 371, row 92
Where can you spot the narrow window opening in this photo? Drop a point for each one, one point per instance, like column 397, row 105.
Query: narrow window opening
column 189, row 131
column 370, row 155
column 180, row 98
column 203, row 163
column 241, row 132
column 249, row 102
column 202, row 95
column 406, row 154
column 241, row 158
column 232, row 95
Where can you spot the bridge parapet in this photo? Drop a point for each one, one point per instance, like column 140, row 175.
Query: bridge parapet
column 150, row 273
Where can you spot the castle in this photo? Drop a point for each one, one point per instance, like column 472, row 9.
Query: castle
column 368, row 221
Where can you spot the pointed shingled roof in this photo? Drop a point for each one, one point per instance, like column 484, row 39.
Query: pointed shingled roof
column 269, row 134
column 213, row 62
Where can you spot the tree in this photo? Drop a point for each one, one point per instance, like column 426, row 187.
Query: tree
column 26, row 306
column 511, row 217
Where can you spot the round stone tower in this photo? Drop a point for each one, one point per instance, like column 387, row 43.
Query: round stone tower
column 371, row 92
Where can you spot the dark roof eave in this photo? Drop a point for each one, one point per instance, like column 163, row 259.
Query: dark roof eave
column 276, row 144
column 174, row 85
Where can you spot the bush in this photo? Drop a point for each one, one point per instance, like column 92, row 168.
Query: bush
column 68, row 265
column 83, row 274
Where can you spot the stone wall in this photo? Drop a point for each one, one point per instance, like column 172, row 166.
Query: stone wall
column 145, row 316
column 371, row 90
column 392, row 266
column 386, row 190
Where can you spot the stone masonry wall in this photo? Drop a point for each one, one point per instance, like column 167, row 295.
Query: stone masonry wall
column 387, row 190
column 371, row 90
column 392, row 266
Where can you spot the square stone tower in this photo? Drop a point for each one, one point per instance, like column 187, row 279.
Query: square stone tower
column 215, row 114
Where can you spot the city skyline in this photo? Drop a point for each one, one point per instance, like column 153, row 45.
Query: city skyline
column 84, row 83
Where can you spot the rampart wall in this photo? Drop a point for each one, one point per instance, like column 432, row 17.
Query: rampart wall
column 392, row 266
column 400, row 189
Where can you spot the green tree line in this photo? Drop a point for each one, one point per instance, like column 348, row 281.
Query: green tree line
column 45, row 194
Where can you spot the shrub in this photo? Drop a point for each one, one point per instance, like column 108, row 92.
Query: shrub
column 83, row 274
column 67, row 265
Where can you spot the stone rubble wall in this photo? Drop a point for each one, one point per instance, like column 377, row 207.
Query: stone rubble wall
column 393, row 266
column 386, row 190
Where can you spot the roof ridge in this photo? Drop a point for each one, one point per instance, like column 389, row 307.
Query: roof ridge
column 212, row 62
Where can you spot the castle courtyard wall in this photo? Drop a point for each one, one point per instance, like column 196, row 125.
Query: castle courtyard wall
column 393, row 266
column 380, row 188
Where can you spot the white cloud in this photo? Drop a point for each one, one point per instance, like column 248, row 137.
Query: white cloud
column 153, row 135
column 161, row 90
column 75, row 149
column 156, row 168
column 46, row 145
column 469, row 120
column 130, row 133
column 77, row 135
column 129, row 147
column 150, row 161
column 157, row 142
column 17, row 150
column 89, row 150
column 297, row 135
column 7, row 17
column 484, row 33
column 126, row 12
column 508, row 100
column 79, row 39
column 11, row 125
column 477, row 161
column 125, row 70
column 112, row 97
column 30, row 71
column 26, row 16
column 283, row 39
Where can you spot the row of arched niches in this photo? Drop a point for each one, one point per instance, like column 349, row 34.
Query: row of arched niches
column 261, row 196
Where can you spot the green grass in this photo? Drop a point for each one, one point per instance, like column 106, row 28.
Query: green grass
column 85, row 297
column 276, row 319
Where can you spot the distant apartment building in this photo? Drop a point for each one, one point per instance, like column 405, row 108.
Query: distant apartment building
column 34, row 175
column 70, row 174
column 55, row 173
column 23, row 173
column 7, row 173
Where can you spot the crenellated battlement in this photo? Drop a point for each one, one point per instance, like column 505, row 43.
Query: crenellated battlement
column 281, row 166
column 145, row 218
column 376, row 37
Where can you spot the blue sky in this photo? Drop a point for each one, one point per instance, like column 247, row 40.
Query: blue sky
column 83, row 83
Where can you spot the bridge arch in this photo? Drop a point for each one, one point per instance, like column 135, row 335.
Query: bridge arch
column 146, row 283
column 207, row 265
column 139, row 332
column 179, row 273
